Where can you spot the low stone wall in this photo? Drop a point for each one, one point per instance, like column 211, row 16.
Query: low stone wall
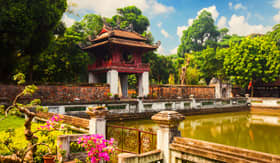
column 183, row 91
column 265, row 102
column 191, row 150
column 147, row 115
column 58, row 94
column 74, row 121
column 65, row 141
column 143, row 109
column 152, row 156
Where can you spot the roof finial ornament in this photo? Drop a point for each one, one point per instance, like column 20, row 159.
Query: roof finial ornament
column 158, row 43
column 118, row 26
column 130, row 27
column 104, row 21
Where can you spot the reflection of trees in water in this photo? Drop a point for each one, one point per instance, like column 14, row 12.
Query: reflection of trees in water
column 234, row 130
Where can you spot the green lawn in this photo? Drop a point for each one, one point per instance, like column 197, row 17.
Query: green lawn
column 11, row 122
column 19, row 141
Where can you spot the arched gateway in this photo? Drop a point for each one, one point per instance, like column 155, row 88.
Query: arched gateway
column 117, row 54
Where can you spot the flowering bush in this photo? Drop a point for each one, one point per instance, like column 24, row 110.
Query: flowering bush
column 28, row 151
column 47, row 134
column 53, row 123
column 97, row 147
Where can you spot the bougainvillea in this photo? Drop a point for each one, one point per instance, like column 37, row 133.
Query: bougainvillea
column 97, row 146
column 53, row 123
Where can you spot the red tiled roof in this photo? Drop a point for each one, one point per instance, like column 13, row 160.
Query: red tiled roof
column 119, row 33
column 120, row 37
column 121, row 41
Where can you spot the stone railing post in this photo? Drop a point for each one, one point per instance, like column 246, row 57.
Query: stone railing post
column 97, row 122
column 63, row 144
column 248, row 98
column 168, row 122
column 193, row 102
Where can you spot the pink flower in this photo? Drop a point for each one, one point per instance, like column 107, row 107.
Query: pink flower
column 97, row 147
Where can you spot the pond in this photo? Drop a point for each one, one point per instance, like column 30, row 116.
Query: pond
column 241, row 129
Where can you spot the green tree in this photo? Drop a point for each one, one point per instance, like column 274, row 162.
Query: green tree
column 188, row 72
column 161, row 66
column 199, row 35
column 253, row 59
column 87, row 28
column 275, row 34
column 63, row 55
column 130, row 15
column 192, row 76
column 26, row 30
column 210, row 63
column 227, row 39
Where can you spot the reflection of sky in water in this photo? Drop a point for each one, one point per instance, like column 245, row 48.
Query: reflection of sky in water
column 261, row 133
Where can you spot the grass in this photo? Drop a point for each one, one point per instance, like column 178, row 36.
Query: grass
column 19, row 142
column 11, row 122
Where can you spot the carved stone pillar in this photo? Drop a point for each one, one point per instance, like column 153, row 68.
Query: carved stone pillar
column 168, row 122
column 97, row 123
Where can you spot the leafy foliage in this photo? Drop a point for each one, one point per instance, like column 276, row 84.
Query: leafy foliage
column 97, row 147
column 161, row 66
column 27, row 152
column 199, row 35
column 18, row 143
column 253, row 59
column 26, row 30
column 130, row 15
column 210, row 62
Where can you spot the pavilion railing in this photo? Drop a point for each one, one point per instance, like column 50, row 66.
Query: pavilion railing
column 132, row 140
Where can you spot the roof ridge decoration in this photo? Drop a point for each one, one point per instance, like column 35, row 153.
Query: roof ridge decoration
column 108, row 28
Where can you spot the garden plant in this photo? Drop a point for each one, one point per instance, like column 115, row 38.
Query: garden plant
column 27, row 152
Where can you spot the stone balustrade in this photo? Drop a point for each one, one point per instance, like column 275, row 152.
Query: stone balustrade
column 171, row 147
column 155, row 105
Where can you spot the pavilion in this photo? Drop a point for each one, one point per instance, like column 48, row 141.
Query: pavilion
column 117, row 54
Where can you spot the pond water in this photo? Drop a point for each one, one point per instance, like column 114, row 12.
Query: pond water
column 241, row 129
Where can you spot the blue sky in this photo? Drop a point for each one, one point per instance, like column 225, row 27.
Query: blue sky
column 168, row 18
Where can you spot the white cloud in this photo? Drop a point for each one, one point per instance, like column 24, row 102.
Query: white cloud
column 159, row 24
column 67, row 20
column 158, row 8
column 238, row 25
column 259, row 16
column 190, row 21
column 276, row 17
column 173, row 51
column 161, row 50
column 230, row 5
column 212, row 10
column 108, row 7
column 164, row 33
column 180, row 30
column 239, row 6
column 222, row 22
column 276, row 4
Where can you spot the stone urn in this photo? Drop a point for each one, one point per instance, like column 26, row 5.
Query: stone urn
column 97, row 112
column 49, row 158
column 168, row 119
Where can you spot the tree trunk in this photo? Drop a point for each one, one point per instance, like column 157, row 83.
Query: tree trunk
column 29, row 136
column 10, row 159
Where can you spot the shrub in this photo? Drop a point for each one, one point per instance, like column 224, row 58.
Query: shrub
column 97, row 147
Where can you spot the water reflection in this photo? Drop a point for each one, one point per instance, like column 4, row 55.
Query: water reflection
column 257, row 132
